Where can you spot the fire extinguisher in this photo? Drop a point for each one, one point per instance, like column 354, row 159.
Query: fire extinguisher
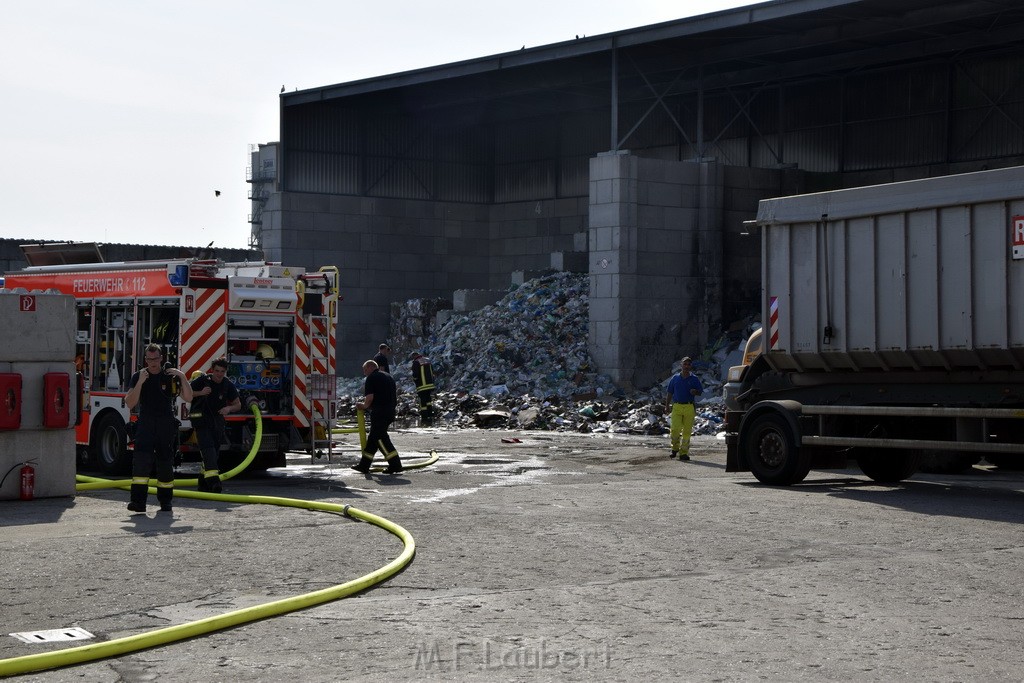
column 28, row 481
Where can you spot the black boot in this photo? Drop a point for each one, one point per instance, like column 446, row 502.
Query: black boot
column 208, row 483
column 364, row 465
column 164, row 495
column 139, row 494
column 394, row 465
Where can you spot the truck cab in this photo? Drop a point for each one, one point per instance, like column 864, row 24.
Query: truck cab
column 733, row 386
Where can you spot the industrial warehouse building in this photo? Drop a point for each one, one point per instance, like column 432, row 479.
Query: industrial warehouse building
column 635, row 156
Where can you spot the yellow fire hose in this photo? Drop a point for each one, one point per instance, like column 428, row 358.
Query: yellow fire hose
column 91, row 483
column 171, row 634
column 360, row 429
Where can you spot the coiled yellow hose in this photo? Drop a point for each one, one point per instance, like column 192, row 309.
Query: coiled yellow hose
column 171, row 634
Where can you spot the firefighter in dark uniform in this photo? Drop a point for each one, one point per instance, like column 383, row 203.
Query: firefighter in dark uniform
column 423, row 376
column 381, row 359
column 380, row 397
column 214, row 398
column 153, row 389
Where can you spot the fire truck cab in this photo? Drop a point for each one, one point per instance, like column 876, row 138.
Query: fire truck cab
column 274, row 324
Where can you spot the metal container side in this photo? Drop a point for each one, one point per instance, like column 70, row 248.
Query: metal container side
column 906, row 276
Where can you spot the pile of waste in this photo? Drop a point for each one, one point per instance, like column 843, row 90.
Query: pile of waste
column 522, row 363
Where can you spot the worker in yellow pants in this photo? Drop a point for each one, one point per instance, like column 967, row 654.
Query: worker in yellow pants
column 683, row 388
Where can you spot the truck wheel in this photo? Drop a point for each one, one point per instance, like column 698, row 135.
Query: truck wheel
column 110, row 445
column 889, row 466
column 772, row 452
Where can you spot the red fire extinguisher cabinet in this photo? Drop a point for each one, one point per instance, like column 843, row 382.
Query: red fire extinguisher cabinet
column 56, row 400
column 10, row 400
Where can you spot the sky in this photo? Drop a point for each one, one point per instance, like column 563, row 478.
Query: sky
column 121, row 119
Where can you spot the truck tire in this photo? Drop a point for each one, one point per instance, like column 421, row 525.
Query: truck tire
column 771, row 451
column 109, row 445
column 888, row 465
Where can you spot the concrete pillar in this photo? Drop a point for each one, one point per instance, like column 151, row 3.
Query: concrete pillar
column 655, row 263
column 613, row 263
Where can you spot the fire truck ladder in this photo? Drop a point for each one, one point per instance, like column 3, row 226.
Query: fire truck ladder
column 323, row 388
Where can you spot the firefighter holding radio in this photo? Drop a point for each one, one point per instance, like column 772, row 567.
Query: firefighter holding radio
column 213, row 399
column 153, row 389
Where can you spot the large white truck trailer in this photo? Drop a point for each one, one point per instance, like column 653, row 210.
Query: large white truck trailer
column 893, row 327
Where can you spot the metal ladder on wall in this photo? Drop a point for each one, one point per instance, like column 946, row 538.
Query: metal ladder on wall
column 323, row 389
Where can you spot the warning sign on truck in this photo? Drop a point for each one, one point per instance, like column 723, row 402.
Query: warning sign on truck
column 1017, row 236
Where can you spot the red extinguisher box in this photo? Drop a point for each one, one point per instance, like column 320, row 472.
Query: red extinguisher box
column 10, row 400
column 56, row 400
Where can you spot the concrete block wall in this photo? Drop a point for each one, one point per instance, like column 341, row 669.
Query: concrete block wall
column 386, row 250
column 390, row 250
column 570, row 261
column 465, row 300
column 525, row 234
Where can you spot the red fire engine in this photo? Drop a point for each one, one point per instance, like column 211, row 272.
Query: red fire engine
column 275, row 324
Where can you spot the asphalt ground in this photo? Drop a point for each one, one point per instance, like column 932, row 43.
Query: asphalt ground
column 540, row 556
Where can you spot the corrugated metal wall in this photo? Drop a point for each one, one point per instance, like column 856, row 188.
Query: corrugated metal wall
column 938, row 113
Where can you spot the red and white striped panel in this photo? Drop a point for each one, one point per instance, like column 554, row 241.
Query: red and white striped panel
column 204, row 336
column 318, row 352
column 300, row 376
column 332, row 352
column 320, row 357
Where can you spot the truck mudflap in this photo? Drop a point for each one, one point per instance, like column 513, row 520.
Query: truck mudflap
column 732, row 456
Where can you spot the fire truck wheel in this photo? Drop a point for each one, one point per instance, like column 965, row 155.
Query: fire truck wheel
column 110, row 445
column 772, row 452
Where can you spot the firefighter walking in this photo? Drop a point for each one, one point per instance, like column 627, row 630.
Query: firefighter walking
column 153, row 389
column 423, row 377
column 380, row 397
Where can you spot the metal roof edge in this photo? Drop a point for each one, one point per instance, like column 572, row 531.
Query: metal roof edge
column 687, row 26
